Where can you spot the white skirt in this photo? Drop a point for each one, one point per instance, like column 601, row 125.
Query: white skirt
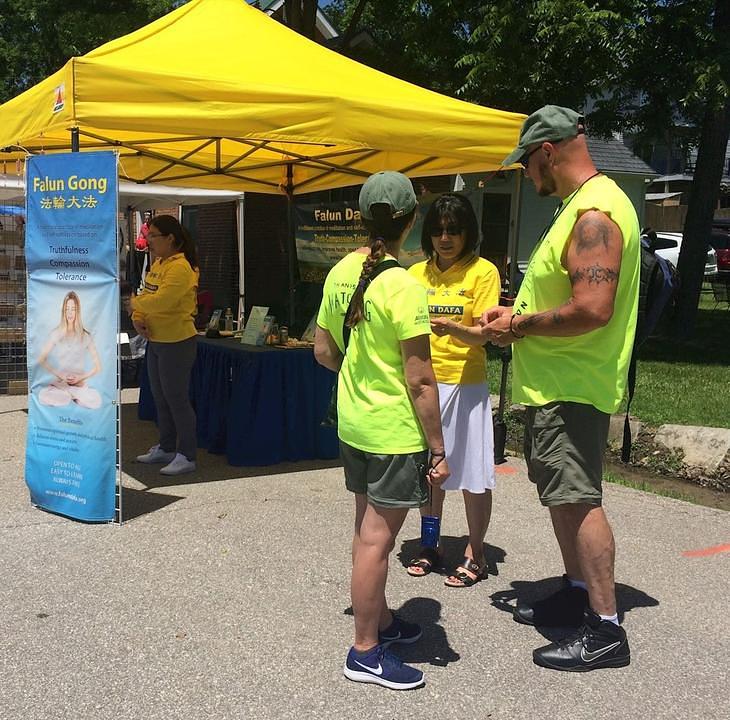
column 466, row 417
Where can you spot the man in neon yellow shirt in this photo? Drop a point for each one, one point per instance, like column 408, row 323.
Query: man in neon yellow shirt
column 572, row 327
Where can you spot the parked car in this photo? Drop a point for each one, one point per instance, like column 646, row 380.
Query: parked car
column 668, row 245
column 720, row 241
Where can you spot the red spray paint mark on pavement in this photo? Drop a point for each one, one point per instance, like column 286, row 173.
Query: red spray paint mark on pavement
column 504, row 470
column 707, row 551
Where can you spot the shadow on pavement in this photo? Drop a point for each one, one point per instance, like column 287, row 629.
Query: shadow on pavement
column 452, row 549
column 434, row 647
column 212, row 468
column 140, row 502
column 139, row 435
column 525, row 591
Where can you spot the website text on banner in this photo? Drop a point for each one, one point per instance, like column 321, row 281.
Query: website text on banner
column 73, row 317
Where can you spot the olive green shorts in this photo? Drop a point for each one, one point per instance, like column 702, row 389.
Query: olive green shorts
column 564, row 447
column 394, row 481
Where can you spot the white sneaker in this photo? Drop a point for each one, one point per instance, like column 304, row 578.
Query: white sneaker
column 179, row 466
column 156, row 455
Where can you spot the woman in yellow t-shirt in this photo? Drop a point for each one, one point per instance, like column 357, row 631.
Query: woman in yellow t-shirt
column 460, row 286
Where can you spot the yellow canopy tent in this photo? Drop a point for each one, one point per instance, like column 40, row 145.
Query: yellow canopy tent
column 216, row 94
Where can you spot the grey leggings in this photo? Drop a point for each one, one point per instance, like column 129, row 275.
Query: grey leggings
column 169, row 366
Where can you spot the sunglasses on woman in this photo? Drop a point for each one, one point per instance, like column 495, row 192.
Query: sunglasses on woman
column 450, row 230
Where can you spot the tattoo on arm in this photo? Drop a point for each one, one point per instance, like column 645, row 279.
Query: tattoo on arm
column 595, row 274
column 592, row 232
column 549, row 316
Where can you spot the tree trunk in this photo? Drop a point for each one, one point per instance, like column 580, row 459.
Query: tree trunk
column 349, row 33
column 700, row 212
column 705, row 192
column 309, row 19
column 293, row 14
column 301, row 15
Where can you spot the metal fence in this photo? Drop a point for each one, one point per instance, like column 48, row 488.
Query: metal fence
column 13, row 370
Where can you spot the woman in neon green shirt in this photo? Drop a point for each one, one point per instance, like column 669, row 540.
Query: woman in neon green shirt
column 460, row 286
column 388, row 415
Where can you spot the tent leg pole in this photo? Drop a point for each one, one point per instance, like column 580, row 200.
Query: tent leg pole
column 292, row 243
column 75, row 145
column 240, row 209
column 515, row 236
column 130, row 247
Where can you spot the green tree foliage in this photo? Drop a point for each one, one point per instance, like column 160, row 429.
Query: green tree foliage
column 421, row 42
column 526, row 53
column 657, row 70
column 37, row 37
column 669, row 74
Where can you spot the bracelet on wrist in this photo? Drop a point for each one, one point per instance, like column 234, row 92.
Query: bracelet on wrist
column 512, row 330
column 433, row 465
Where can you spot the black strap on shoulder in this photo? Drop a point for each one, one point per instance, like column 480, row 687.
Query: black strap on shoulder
column 379, row 268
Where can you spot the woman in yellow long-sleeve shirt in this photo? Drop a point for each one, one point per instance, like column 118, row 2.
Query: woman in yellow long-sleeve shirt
column 164, row 313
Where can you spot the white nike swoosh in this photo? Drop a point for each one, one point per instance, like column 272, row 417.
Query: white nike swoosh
column 591, row 656
column 376, row 671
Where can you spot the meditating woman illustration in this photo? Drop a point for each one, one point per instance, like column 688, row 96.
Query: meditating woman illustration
column 71, row 357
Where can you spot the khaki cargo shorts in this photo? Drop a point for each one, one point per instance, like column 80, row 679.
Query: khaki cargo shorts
column 390, row 481
column 564, row 447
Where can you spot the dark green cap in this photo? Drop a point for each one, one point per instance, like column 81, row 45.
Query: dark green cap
column 550, row 123
column 387, row 188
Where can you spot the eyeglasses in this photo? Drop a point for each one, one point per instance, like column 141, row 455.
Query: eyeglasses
column 525, row 159
column 450, row 230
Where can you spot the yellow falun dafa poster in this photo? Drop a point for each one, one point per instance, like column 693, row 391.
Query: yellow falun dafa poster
column 326, row 232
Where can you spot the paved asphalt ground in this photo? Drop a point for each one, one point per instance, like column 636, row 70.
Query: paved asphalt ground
column 226, row 595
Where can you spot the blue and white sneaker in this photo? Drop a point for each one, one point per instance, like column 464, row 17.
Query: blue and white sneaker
column 381, row 667
column 400, row 631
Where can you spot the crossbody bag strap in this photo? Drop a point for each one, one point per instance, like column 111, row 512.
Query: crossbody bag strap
column 379, row 268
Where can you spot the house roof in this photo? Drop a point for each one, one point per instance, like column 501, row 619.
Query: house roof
column 323, row 23
column 687, row 178
column 673, row 178
column 661, row 196
column 613, row 156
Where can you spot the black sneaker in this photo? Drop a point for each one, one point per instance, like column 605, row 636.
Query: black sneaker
column 561, row 609
column 598, row 644
column 401, row 632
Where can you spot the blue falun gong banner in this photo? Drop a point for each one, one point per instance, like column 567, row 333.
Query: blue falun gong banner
column 73, row 317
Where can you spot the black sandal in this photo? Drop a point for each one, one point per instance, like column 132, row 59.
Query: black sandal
column 467, row 573
column 427, row 560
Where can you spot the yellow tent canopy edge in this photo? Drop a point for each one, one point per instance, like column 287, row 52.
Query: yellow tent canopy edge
column 275, row 113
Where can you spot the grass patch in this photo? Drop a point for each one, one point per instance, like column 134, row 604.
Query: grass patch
column 647, row 486
column 494, row 373
column 687, row 383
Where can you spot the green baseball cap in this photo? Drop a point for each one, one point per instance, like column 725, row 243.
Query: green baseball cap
column 550, row 123
column 387, row 188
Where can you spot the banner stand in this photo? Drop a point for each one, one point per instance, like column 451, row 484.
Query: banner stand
column 73, row 448
column 119, row 490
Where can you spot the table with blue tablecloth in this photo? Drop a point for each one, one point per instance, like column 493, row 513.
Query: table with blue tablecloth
column 257, row 405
